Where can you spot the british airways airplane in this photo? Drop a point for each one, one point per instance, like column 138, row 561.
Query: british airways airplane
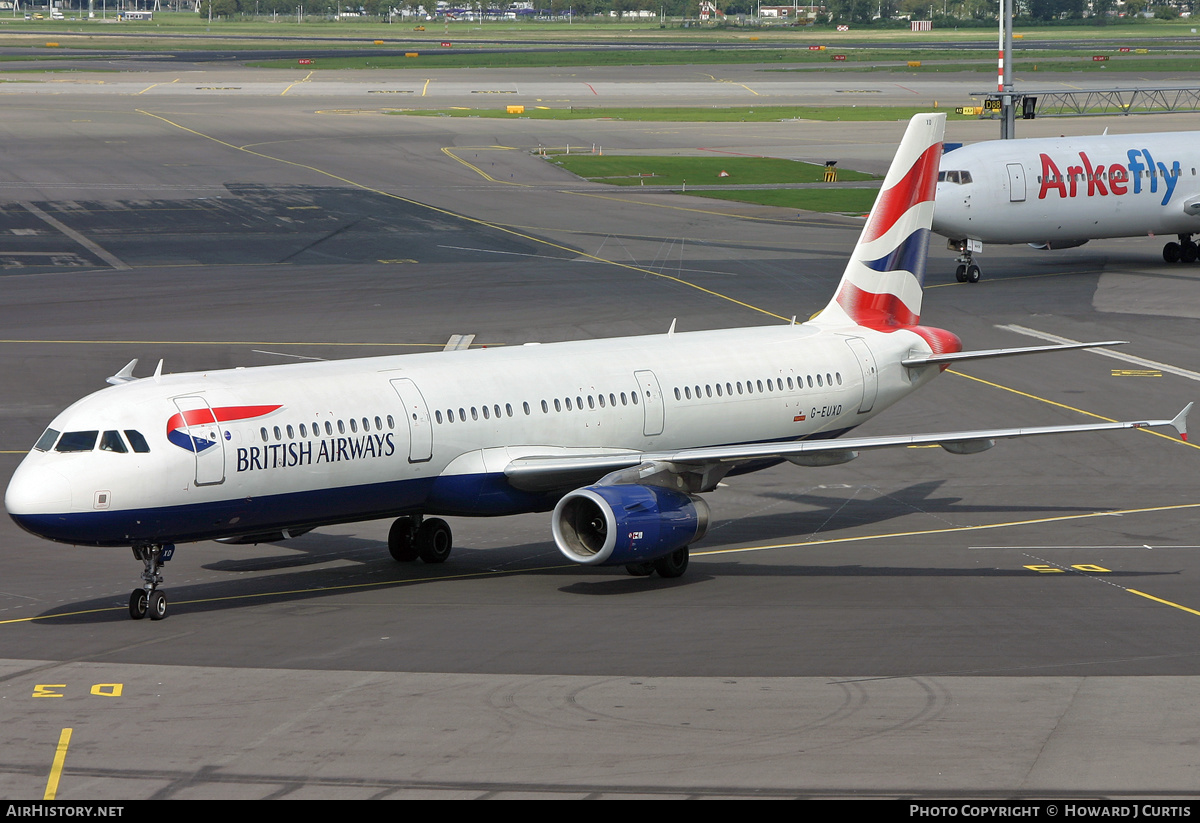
column 618, row 437
column 1060, row 192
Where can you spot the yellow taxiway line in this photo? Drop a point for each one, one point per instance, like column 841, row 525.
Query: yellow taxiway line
column 60, row 757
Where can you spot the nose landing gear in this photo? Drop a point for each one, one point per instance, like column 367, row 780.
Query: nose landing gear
column 968, row 270
column 149, row 600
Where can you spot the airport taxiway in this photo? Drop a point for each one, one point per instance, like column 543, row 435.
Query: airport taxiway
column 910, row 624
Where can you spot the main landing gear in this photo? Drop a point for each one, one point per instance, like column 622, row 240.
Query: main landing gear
column 149, row 600
column 1185, row 251
column 673, row 565
column 415, row 537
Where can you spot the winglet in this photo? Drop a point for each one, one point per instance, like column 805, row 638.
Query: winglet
column 125, row 375
column 1180, row 422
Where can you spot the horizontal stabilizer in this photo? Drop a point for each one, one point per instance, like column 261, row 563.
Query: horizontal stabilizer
column 959, row 356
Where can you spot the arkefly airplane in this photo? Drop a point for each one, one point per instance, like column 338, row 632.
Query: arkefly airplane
column 1060, row 192
column 619, row 437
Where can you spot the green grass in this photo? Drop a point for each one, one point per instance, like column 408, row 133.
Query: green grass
column 752, row 114
column 784, row 47
column 838, row 201
column 625, row 170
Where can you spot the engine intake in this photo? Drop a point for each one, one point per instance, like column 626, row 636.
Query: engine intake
column 617, row 525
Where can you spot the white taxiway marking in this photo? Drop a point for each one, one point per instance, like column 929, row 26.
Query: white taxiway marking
column 1128, row 358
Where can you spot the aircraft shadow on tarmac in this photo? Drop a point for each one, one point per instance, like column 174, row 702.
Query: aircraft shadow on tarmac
column 371, row 569
column 837, row 513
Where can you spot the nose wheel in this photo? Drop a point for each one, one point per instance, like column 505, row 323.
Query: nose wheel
column 149, row 600
column 968, row 270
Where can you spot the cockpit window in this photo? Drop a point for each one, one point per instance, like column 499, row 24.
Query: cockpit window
column 111, row 441
column 954, row 177
column 46, row 441
column 77, row 441
column 137, row 441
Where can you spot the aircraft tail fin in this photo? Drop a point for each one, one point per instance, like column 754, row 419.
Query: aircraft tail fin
column 881, row 286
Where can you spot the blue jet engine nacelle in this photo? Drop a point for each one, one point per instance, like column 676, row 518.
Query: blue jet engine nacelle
column 623, row 524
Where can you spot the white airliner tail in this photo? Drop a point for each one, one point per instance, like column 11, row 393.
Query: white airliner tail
column 881, row 286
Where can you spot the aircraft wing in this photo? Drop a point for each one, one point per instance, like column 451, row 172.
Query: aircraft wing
column 710, row 464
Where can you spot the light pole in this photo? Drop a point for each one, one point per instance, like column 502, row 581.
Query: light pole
column 1008, row 120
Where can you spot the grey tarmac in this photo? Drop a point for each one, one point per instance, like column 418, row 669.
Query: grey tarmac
column 912, row 624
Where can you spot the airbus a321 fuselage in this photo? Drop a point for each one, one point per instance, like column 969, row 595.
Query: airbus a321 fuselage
column 619, row 437
column 1060, row 192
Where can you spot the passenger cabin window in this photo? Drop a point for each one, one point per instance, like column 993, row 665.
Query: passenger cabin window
column 77, row 441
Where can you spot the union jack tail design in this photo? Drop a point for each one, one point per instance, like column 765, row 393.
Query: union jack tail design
column 881, row 287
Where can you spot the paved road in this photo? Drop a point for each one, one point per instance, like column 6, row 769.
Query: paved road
column 915, row 623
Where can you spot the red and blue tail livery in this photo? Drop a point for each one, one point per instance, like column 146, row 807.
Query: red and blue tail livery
column 881, row 286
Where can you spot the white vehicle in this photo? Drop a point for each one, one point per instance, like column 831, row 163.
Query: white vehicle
column 1060, row 192
column 56, row 14
column 619, row 437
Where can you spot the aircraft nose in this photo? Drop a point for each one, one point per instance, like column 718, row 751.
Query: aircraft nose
column 948, row 216
column 37, row 490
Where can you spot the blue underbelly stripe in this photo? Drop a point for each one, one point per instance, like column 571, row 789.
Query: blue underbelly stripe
column 466, row 495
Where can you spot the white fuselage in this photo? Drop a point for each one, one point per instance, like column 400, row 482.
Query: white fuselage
column 255, row 450
column 1070, row 189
